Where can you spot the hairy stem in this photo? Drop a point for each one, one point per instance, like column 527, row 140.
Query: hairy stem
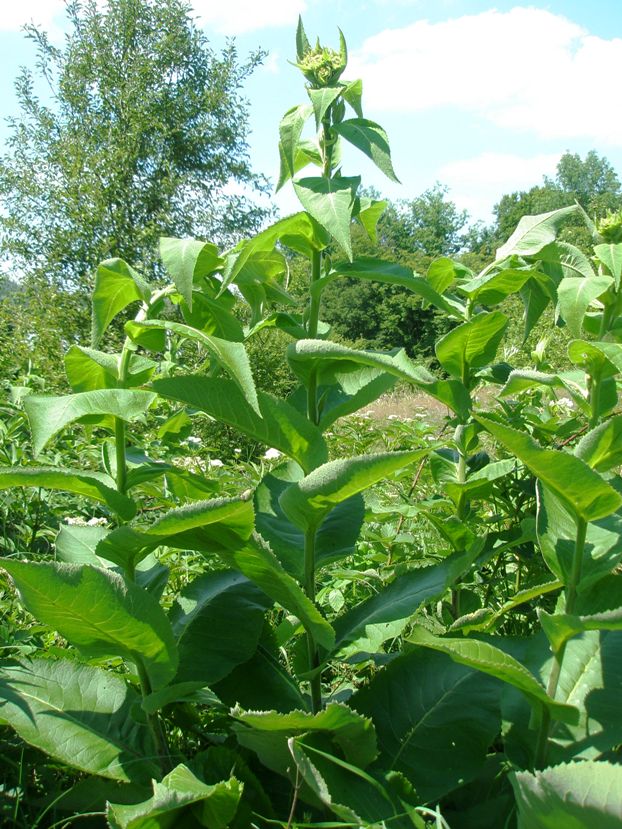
column 154, row 721
column 313, row 656
column 119, row 423
column 556, row 669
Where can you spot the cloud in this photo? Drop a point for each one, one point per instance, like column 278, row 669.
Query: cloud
column 526, row 69
column 478, row 183
column 234, row 17
column 41, row 12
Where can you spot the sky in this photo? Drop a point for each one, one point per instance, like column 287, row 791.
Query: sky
column 483, row 98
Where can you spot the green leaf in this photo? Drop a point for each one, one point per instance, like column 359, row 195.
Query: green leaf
column 99, row 613
column 187, row 260
column 601, row 449
column 180, row 799
column 435, row 720
column 611, row 257
column 493, row 661
column 231, row 356
column 89, row 370
column 76, row 544
column 471, row 345
column 575, row 297
column 79, row 715
column 276, row 423
column 562, row 259
column 258, row 563
column 604, row 358
column 335, row 538
column 117, row 285
column 535, row 232
column 209, row 645
column 560, row 627
column 330, row 201
column 493, row 288
column 212, row 317
column 443, row 272
column 368, row 215
column 93, row 485
column 49, row 415
column 307, row 502
column 581, row 490
column 290, row 130
column 205, row 526
column 556, row 535
column 573, row 795
column 371, row 139
column 300, row 232
column 364, row 627
column 571, row 382
column 351, row 731
column 321, row 99
column 352, row 93
column 333, row 362
column 302, row 43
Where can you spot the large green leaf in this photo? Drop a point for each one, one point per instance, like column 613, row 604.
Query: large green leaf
column 493, row 288
column 604, row 358
column 76, row 544
column 307, row 502
column 582, row 490
column 493, row 661
column 358, row 798
column 330, row 201
column 335, row 538
column 611, row 257
column 93, row 485
column 180, row 799
column 367, row 625
column 471, row 345
column 575, row 296
column 557, row 531
column 560, row 627
column 217, row 620
column 290, row 130
column 258, row 563
column 535, row 232
column 78, row 714
column 205, row 526
column 371, row 139
column 389, row 273
column 572, row 382
column 231, row 356
column 116, row 286
column 333, row 362
column 368, row 215
column 267, row 732
column 88, row 370
column 187, row 260
column 48, row 415
column 435, row 720
column 274, row 422
column 213, row 317
column 299, row 231
column 322, row 98
column 99, row 613
column 585, row 795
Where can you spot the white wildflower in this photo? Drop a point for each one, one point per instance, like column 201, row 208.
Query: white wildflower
column 75, row 522
column 272, row 454
column 96, row 522
column 193, row 439
column 237, row 451
column 565, row 403
column 215, row 463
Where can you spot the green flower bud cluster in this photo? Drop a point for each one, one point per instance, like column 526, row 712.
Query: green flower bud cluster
column 610, row 228
column 320, row 65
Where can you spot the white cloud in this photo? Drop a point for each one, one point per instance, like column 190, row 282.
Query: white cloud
column 42, row 12
column 234, row 17
column 526, row 69
column 476, row 184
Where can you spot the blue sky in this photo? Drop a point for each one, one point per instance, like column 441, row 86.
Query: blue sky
column 481, row 97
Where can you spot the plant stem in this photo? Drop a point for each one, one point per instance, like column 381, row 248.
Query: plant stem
column 556, row 669
column 119, row 423
column 595, row 384
column 154, row 721
column 313, row 657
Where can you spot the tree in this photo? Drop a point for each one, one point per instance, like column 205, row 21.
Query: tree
column 429, row 224
column 592, row 182
column 144, row 130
